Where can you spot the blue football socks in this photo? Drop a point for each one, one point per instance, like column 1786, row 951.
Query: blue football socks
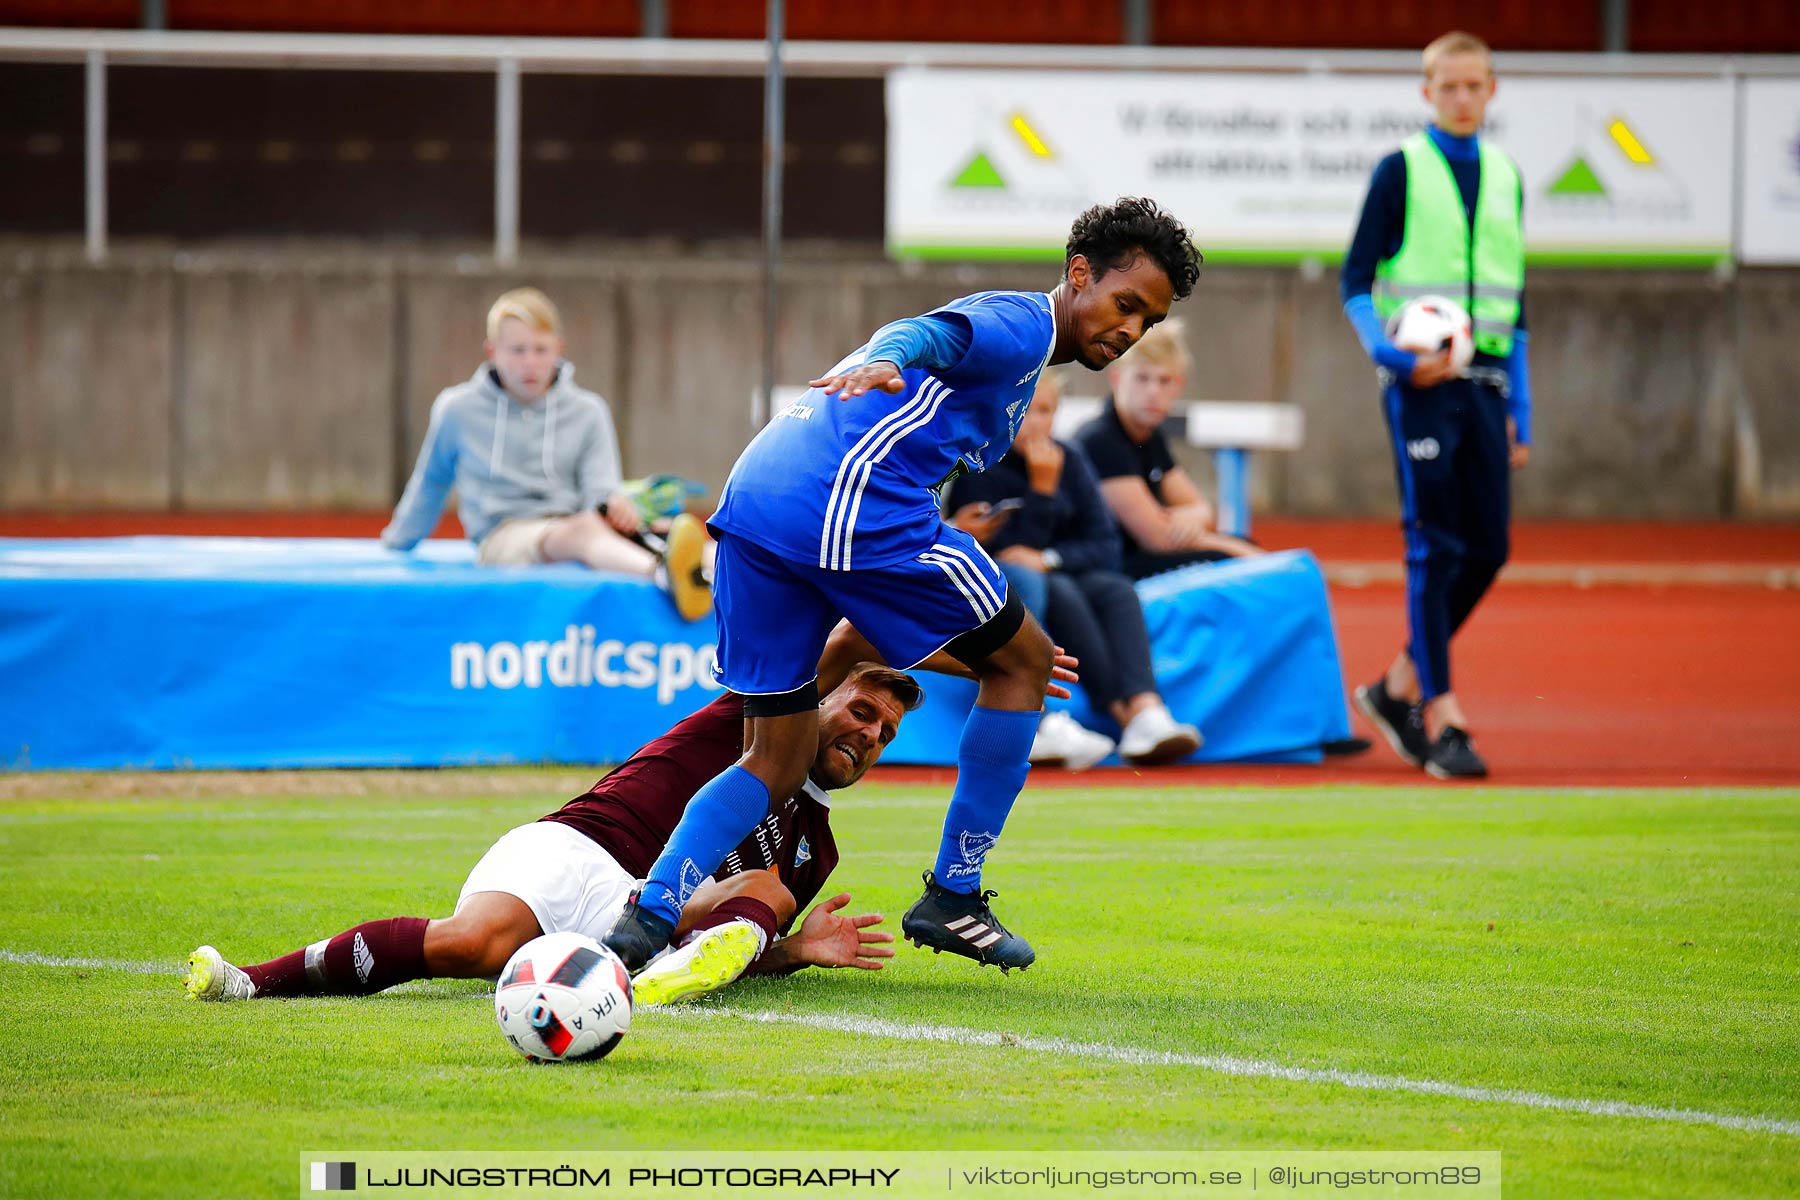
column 720, row 815
column 990, row 770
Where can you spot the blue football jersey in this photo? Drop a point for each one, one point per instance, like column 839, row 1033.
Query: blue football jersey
column 850, row 484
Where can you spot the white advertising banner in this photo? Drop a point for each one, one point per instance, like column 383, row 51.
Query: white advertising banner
column 997, row 163
column 1769, row 231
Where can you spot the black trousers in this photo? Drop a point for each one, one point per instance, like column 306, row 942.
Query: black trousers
column 1095, row 615
column 1450, row 459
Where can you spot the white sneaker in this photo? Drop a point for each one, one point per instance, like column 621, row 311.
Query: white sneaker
column 210, row 977
column 1155, row 736
column 1060, row 741
column 1050, row 746
column 710, row 960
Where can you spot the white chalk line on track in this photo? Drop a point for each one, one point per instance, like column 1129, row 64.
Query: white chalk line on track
column 1217, row 1064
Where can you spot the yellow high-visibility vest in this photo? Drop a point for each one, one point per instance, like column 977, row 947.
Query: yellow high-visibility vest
column 1437, row 255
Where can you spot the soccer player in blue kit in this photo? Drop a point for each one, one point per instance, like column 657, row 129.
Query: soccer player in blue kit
column 832, row 511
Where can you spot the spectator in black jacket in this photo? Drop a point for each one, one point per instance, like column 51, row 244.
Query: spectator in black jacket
column 1040, row 514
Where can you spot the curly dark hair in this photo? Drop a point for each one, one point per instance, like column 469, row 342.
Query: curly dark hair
column 1118, row 234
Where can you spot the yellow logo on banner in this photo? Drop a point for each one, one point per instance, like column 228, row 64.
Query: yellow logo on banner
column 981, row 171
column 1612, row 159
column 1628, row 142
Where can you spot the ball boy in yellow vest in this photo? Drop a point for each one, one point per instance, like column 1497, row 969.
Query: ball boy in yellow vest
column 1442, row 217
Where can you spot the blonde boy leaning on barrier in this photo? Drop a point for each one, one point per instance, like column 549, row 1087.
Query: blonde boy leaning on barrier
column 1165, row 520
column 535, row 463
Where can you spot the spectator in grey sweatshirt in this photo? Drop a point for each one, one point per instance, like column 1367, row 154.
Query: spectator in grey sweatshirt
column 535, row 463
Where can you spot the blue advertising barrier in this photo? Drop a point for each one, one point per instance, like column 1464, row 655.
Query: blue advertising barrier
column 168, row 652
column 1244, row 649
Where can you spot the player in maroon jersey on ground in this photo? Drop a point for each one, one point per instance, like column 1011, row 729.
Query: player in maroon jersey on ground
column 574, row 868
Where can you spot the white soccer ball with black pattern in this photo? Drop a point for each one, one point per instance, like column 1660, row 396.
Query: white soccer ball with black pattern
column 563, row 997
column 1432, row 324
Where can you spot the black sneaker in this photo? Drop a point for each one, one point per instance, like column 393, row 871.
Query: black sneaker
column 962, row 923
column 1453, row 756
column 1402, row 724
column 638, row 935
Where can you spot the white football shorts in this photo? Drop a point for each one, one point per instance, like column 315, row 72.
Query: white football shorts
column 568, row 880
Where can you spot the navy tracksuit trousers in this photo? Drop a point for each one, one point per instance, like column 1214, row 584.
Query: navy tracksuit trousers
column 1450, row 456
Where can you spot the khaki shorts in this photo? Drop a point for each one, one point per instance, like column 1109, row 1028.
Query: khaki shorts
column 516, row 543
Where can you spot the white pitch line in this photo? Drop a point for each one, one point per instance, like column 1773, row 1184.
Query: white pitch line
column 1223, row 1064
column 26, row 958
column 1218, row 1064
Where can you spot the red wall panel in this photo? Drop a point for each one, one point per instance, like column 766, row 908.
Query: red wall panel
column 1376, row 24
column 1718, row 26
column 1052, row 21
column 538, row 18
column 71, row 14
column 1656, row 26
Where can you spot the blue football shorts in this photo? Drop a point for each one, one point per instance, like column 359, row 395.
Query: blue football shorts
column 774, row 614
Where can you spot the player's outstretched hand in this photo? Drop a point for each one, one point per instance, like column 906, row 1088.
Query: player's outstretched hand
column 876, row 376
column 1063, row 673
column 827, row 939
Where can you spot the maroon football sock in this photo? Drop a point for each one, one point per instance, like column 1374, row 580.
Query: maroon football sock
column 357, row 962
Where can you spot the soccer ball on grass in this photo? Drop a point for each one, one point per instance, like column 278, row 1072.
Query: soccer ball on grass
column 563, row 997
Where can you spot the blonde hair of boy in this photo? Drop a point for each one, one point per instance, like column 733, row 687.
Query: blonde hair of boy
column 1163, row 347
column 529, row 307
column 1456, row 42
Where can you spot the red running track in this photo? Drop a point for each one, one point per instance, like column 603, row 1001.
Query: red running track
column 1565, row 686
column 1361, row 540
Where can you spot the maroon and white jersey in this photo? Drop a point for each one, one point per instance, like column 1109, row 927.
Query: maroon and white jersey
column 633, row 811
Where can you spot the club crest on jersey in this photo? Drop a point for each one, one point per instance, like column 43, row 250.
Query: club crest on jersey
column 802, row 852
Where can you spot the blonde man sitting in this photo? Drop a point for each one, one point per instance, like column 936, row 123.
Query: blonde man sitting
column 535, row 463
column 1163, row 519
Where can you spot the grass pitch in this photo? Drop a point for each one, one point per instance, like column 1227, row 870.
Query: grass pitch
column 1582, row 948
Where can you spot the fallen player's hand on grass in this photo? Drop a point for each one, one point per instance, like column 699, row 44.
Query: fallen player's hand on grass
column 826, row 939
column 876, row 376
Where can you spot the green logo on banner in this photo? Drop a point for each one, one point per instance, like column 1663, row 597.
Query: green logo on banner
column 979, row 173
column 1578, row 180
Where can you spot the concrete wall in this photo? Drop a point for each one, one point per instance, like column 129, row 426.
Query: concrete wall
column 292, row 378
